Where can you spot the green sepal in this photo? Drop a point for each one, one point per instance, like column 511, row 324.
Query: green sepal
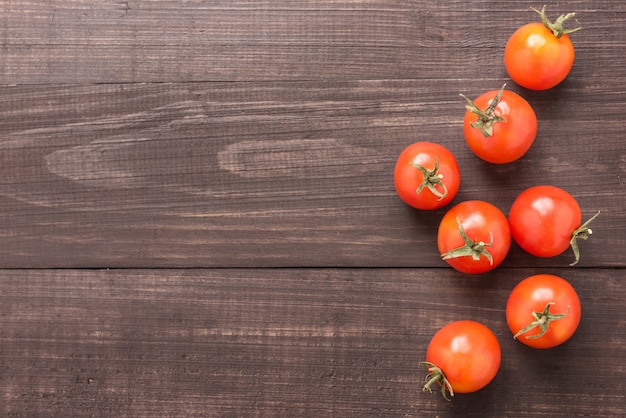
column 435, row 374
column 557, row 26
column 542, row 320
column 582, row 232
column 470, row 248
column 432, row 179
column 487, row 117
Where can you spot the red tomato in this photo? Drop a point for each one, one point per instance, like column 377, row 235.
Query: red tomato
column 463, row 357
column 543, row 311
column 426, row 176
column 545, row 221
column 474, row 237
column 539, row 56
column 499, row 126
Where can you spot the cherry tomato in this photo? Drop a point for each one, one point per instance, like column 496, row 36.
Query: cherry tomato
column 499, row 126
column 426, row 176
column 543, row 311
column 462, row 357
column 545, row 221
column 474, row 237
column 539, row 56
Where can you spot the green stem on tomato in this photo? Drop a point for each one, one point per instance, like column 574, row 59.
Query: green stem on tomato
column 432, row 179
column 542, row 320
column 557, row 27
column 582, row 232
column 470, row 248
column 435, row 374
column 487, row 117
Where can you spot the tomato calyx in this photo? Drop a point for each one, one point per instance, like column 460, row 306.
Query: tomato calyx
column 582, row 232
column 432, row 179
column 542, row 320
column 435, row 374
column 487, row 117
column 557, row 26
column 470, row 248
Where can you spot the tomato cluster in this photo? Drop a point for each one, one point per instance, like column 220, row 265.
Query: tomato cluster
column 474, row 236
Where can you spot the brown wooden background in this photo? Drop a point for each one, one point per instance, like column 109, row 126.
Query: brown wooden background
column 198, row 218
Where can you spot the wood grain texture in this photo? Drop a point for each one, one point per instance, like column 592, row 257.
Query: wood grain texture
column 288, row 342
column 156, row 41
column 267, row 174
column 231, row 162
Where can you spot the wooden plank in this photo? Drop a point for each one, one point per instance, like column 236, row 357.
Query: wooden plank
column 88, row 41
column 276, row 173
column 255, row 140
column 288, row 342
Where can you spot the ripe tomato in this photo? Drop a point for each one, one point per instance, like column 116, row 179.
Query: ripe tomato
column 499, row 126
column 463, row 357
column 426, row 176
column 539, row 56
column 545, row 220
column 474, row 237
column 543, row 311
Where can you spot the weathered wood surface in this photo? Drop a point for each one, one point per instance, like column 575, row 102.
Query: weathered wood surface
column 244, row 40
column 288, row 342
column 294, row 174
column 231, row 163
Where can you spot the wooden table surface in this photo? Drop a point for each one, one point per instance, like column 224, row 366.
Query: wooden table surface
column 198, row 216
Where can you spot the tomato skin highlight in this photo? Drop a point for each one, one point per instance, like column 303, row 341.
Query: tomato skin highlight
column 536, row 59
column 542, row 220
column 467, row 352
column 482, row 222
column 532, row 295
column 512, row 138
column 407, row 178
